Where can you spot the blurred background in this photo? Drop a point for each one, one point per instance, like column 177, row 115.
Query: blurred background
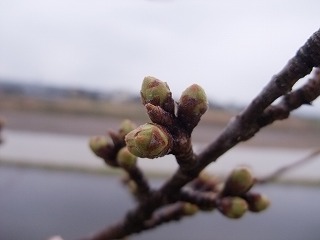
column 73, row 69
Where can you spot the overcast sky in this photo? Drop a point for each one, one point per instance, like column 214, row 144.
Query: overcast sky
column 231, row 48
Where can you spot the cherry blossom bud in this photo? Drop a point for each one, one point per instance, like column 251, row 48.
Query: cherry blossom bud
column 232, row 207
column 257, row 202
column 149, row 141
column 126, row 127
column 99, row 144
column 190, row 209
column 157, row 93
column 239, row 182
column 193, row 104
column 126, row 159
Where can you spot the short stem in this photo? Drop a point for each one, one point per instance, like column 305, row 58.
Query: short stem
column 143, row 188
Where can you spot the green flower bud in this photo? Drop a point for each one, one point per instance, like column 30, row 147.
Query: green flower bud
column 257, row 202
column 190, row 209
column 98, row 144
column 239, row 182
column 125, row 127
column 232, row 207
column 126, row 159
column 149, row 141
column 194, row 98
column 157, row 93
column 193, row 104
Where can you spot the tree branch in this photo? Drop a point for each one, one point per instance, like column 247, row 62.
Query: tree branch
column 293, row 100
column 241, row 128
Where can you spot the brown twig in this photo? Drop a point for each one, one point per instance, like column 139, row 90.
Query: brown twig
column 291, row 101
column 204, row 200
column 173, row 212
column 276, row 174
column 142, row 186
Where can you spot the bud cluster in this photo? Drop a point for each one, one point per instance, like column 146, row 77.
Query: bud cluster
column 113, row 150
column 170, row 128
column 115, row 153
column 233, row 199
column 169, row 132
